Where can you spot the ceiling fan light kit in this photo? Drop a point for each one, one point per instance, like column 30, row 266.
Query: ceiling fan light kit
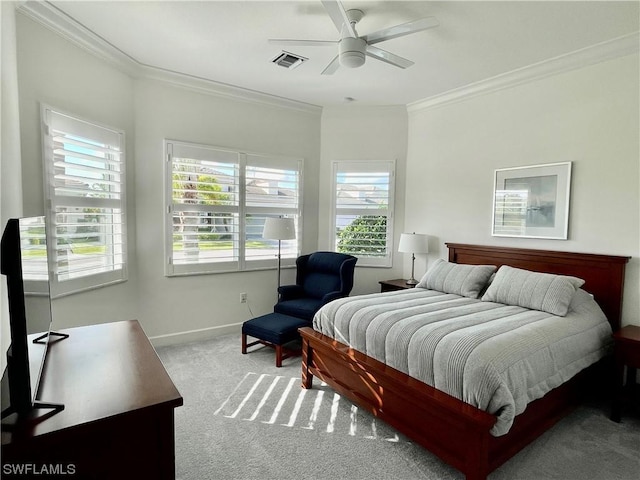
column 352, row 48
column 352, row 52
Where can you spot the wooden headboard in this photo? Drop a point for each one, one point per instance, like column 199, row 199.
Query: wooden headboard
column 603, row 274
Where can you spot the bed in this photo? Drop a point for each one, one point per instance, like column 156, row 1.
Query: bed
column 459, row 433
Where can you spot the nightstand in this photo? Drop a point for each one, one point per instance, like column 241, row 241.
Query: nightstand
column 395, row 284
column 627, row 353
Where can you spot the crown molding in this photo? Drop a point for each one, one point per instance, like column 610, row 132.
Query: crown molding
column 601, row 52
column 223, row 90
column 60, row 23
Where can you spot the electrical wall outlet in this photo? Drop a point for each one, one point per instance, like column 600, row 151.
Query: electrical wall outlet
column 243, row 297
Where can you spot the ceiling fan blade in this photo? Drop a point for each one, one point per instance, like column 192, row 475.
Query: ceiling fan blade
column 401, row 30
column 303, row 43
column 388, row 57
column 339, row 16
column 332, row 67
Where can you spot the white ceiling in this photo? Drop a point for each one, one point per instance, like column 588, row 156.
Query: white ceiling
column 226, row 42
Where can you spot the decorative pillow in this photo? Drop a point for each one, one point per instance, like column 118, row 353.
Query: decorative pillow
column 537, row 291
column 465, row 280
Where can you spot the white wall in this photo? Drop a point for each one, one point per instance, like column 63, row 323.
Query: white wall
column 209, row 304
column 364, row 133
column 588, row 116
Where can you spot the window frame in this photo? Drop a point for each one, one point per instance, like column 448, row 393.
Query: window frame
column 60, row 288
column 364, row 166
column 245, row 159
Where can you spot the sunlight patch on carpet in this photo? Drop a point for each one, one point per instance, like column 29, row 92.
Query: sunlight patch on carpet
column 279, row 400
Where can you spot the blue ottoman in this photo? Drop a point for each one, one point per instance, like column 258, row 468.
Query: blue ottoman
column 273, row 330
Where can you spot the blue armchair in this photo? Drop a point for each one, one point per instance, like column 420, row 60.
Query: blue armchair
column 320, row 278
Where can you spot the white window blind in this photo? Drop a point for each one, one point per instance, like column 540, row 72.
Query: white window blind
column 85, row 179
column 219, row 200
column 205, row 205
column 272, row 190
column 363, row 193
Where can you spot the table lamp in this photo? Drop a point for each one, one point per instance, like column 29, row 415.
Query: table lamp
column 413, row 243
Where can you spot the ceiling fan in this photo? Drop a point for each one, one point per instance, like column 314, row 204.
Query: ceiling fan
column 352, row 48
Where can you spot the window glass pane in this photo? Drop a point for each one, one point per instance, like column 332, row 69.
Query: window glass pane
column 197, row 182
column 85, row 168
column 88, row 241
column 272, row 187
column 362, row 190
column 362, row 235
column 259, row 248
column 204, row 237
column 210, row 232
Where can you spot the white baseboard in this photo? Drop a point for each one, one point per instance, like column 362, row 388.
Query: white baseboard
column 196, row 335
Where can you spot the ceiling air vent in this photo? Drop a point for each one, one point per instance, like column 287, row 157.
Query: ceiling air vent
column 289, row 60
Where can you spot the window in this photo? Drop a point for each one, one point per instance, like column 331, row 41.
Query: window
column 85, row 202
column 363, row 210
column 218, row 200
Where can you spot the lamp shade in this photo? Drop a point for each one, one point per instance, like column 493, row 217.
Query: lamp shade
column 413, row 243
column 279, row 228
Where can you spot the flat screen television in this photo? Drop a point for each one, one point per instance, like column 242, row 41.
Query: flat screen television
column 24, row 262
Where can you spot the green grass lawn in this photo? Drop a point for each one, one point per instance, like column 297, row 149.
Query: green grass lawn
column 96, row 249
column 218, row 245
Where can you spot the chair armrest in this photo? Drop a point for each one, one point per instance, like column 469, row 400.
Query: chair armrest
column 289, row 292
column 328, row 297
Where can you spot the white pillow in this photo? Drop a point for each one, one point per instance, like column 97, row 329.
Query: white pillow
column 465, row 280
column 538, row 291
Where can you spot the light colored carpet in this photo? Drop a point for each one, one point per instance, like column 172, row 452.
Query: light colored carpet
column 243, row 418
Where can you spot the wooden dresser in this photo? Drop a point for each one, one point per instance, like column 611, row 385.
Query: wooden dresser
column 118, row 417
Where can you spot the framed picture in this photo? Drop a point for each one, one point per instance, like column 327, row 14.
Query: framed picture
column 532, row 201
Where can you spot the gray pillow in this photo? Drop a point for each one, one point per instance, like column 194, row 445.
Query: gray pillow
column 538, row 291
column 465, row 280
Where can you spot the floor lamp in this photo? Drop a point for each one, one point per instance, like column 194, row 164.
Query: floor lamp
column 279, row 228
column 413, row 243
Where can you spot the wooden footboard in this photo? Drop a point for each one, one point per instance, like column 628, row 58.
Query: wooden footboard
column 456, row 432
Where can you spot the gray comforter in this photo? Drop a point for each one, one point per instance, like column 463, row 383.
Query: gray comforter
column 495, row 357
